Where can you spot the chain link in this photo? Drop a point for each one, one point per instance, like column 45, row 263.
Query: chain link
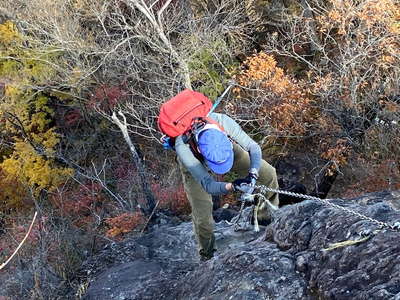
column 396, row 226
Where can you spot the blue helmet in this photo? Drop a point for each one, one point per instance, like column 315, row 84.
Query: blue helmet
column 216, row 149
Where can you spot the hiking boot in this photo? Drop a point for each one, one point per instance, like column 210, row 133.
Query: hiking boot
column 206, row 256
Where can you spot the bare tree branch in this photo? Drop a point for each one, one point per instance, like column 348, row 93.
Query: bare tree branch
column 157, row 25
column 138, row 162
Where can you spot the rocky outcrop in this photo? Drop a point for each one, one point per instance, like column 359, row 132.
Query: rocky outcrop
column 288, row 260
column 369, row 270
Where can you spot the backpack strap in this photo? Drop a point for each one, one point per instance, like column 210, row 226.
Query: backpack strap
column 190, row 137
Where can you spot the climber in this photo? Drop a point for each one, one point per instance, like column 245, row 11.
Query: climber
column 214, row 144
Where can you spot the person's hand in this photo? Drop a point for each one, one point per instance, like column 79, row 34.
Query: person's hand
column 245, row 185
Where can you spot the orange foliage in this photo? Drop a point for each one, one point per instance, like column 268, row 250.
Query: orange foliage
column 356, row 22
column 371, row 13
column 285, row 102
column 124, row 223
column 338, row 155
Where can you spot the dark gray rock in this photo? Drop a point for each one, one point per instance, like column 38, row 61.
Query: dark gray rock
column 155, row 266
column 224, row 214
column 288, row 261
column 368, row 270
column 29, row 280
column 254, row 271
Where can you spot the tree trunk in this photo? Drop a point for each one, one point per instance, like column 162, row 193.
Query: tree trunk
column 150, row 200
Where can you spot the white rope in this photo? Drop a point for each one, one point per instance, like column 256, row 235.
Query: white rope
column 20, row 244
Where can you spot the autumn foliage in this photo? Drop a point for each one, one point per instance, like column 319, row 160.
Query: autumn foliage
column 78, row 201
column 172, row 198
column 106, row 97
column 282, row 102
column 17, row 229
column 124, row 223
column 382, row 176
column 28, row 161
column 317, row 79
column 327, row 83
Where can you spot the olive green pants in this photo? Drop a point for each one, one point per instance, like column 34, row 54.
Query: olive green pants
column 201, row 202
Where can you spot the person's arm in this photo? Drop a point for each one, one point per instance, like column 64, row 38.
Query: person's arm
column 198, row 171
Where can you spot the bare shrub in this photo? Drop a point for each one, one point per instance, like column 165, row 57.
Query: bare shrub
column 343, row 56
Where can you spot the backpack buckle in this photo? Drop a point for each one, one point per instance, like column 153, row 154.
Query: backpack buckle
column 197, row 125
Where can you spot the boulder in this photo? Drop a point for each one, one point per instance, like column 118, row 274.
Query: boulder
column 288, row 260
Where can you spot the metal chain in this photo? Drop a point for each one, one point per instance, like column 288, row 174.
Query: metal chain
column 236, row 224
column 395, row 226
column 250, row 198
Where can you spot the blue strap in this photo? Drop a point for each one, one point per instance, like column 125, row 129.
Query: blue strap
column 219, row 99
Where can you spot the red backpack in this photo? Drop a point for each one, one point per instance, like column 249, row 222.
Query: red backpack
column 177, row 114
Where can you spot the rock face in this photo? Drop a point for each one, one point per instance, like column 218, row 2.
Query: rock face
column 286, row 261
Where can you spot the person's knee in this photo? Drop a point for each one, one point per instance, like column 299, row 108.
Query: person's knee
column 205, row 223
column 274, row 200
column 268, row 175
